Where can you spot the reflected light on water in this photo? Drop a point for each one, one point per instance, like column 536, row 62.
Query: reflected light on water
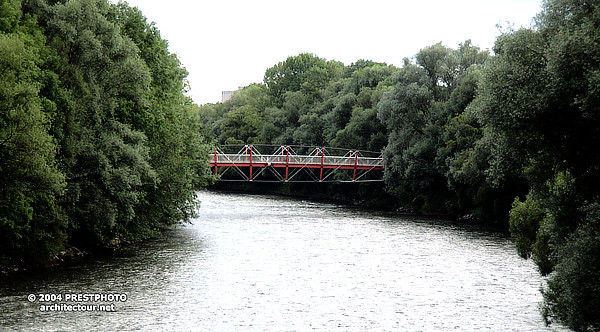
column 271, row 263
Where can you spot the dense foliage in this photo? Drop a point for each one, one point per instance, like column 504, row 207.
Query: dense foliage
column 98, row 142
column 540, row 99
column 305, row 100
column 509, row 138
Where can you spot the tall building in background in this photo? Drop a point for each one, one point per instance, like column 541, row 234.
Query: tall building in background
column 226, row 95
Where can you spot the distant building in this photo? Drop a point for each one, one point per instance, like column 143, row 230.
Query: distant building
column 226, row 95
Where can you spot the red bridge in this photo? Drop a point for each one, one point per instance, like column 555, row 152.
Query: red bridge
column 286, row 165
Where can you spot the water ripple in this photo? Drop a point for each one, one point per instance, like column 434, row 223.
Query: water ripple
column 268, row 263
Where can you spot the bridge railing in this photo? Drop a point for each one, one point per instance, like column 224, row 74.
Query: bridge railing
column 223, row 158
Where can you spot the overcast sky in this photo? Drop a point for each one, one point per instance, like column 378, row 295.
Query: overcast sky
column 230, row 43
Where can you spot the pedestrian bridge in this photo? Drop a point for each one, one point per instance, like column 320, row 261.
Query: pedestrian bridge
column 310, row 164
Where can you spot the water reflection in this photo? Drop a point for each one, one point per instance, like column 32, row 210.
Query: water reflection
column 269, row 263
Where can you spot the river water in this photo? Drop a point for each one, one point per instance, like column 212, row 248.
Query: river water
column 271, row 263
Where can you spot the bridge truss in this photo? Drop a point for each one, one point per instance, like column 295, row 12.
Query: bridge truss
column 317, row 164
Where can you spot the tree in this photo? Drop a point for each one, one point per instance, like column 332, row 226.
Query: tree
column 98, row 143
column 10, row 15
column 418, row 113
column 540, row 102
column 244, row 118
column 305, row 72
column 32, row 226
column 106, row 160
column 169, row 119
column 352, row 122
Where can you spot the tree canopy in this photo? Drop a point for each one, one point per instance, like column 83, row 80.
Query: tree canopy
column 98, row 142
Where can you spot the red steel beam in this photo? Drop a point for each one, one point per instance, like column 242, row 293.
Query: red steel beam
column 322, row 159
column 216, row 163
column 355, row 164
column 250, row 162
column 287, row 162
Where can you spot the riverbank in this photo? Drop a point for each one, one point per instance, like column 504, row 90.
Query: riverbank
column 72, row 255
column 366, row 194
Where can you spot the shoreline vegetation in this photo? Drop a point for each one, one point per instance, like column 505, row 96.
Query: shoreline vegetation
column 99, row 144
column 98, row 141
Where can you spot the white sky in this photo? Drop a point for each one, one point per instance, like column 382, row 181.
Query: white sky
column 230, row 43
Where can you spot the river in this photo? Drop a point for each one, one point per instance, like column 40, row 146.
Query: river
column 270, row 263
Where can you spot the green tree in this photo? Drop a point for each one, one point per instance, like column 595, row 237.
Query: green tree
column 211, row 118
column 32, row 227
column 10, row 14
column 282, row 122
column 353, row 122
column 305, row 72
column 106, row 160
column 177, row 148
column 244, row 118
column 539, row 102
column 428, row 94
column 98, row 142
